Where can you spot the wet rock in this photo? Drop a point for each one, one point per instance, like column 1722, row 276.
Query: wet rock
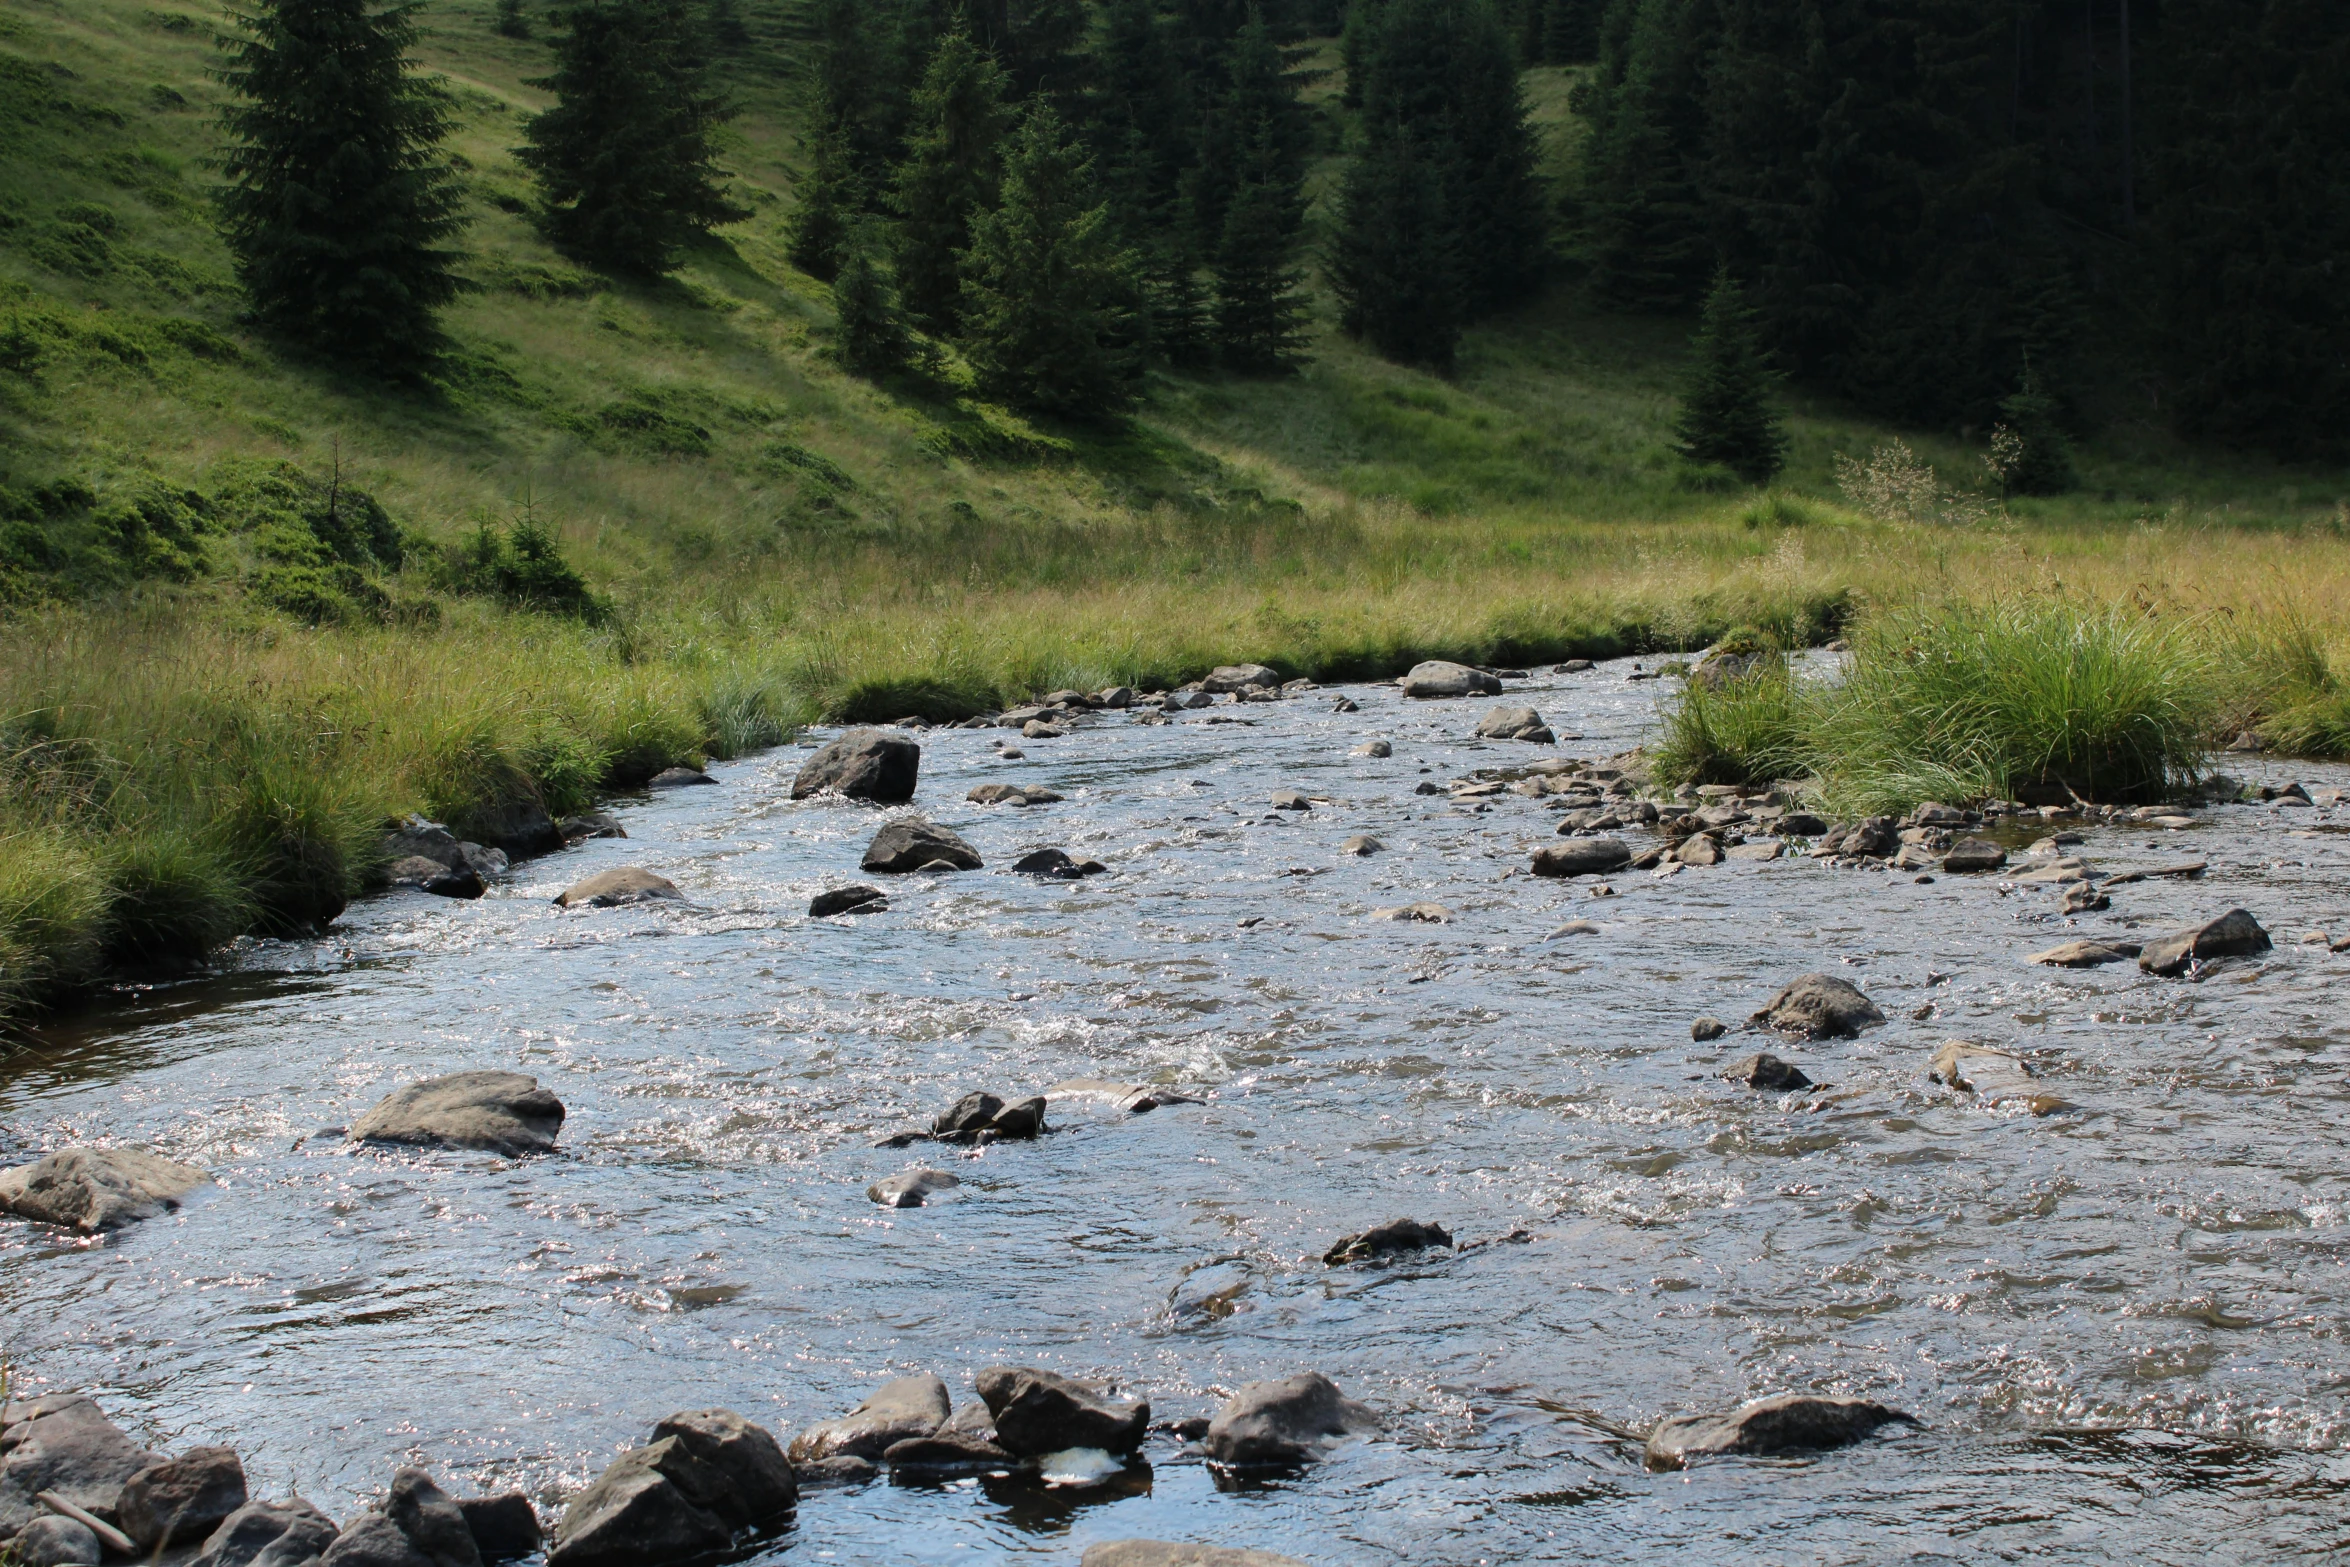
column 1012, row 794
column 2234, row 934
column 728, row 1466
column 1768, row 849
column 614, row 888
column 590, row 824
column 1702, row 849
column 982, row 1117
column 1379, row 748
column 1970, row 856
column 1132, row 1098
column 2086, row 954
column 1768, row 1073
column 1415, row 914
column 907, row 1407
column 864, row 764
column 704, row 1476
column 1799, row 824
column 1817, row 1006
column 504, row 1528
column 414, row 871
column 949, row 1452
column 460, row 882
column 181, row 1500
column 911, row 1188
column 1515, row 723
column 1239, row 677
column 1791, row 1422
column 1438, row 678
column 1573, row 666
column 1038, row 1412
column 1292, row 1420
column 55, row 1542
column 516, row 826
column 418, row 1527
column 268, row 1534
column 1381, row 1240
column 971, row 1113
column 1361, row 844
column 1290, row 800
column 1573, row 928
column 1058, row 865
column 1426, row 787
column 678, row 778
column 1167, row 1553
column 910, row 843
column 1875, row 838
column 1583, row 857
column 2084, row 897
column 841, row 1469
column 1346, row 704
column 1993, row 1076
column 859, row 899
column 74, row 1451
column 1707, row 1029
column 1020, row 1120
column 497, row 1112
column 93, row 1189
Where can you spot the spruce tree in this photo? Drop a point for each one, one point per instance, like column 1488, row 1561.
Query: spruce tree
column 1392, row 262
column 1643, row 213
column 818, row 234
column 512, row 20
column 627, row 158
column 871, row 339
column 1260, row 291
column 1052, row 305
column 949, row 176
column 1727, row 415
column 339, row 204
column 2029, row 451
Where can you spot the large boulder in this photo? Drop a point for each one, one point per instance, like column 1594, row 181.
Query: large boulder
column 505, row 1528
column 1817, row 1006
column 912, row 844
column 268, row 1534
column 1515, row 723
column 1791, row 1422
column 501, row 1112
column 72, row 1450
column 181, row 1500
column 1437, row 678
column 1038, row 1412
column 1292, row 1420
column 864, row 764
column 1583, row 857
column 1168, row 1553
column 613, row 888
column 93, row 1189
column 1239, row 677
column 907, row 1407
column 704, row 1476
column 2234, row 934
column 418, row 1526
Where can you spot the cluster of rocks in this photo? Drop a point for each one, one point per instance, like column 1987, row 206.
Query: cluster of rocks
column 704, row 1482
column 74, row 1488
column 980, row 1118
column 423, row 854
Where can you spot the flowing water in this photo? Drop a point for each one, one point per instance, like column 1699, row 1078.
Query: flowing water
column 2123, row 1329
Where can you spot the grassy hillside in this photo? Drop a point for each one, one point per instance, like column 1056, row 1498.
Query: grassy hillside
column 205, row 692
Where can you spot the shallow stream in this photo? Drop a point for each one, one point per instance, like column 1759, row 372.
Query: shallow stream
column 2123, row 1329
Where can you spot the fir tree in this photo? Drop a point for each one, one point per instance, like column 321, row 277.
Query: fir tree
column 2029, row 451
column 513, row 21
column 627, row 158
column 871, row 339
column 1255, row 128
column 1643, row 212
column 1260, row 300
column 949, row 176
column 1052, row 305
column 1727, row 415
column 339, row 204
column 1570, row 31
column 818, row 234
column 1392, row 264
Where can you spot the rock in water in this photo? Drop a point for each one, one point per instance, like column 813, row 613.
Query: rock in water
column 1514, row 723
column 1768, row 1073
column 1437, row 678
column 678, row 778
column 1374, row 748
column 613, row 888
column 2234, row 934
column 1293, row 1420
column 1038, row 1412
column 847, row 900
column 182, row 1500
column 499, row 1112
column 1239, row 677
column 1583, row 857
column 912, row 844
column 268, row 1534
column 1415, row 914
column 1791, row 1422
column 590, row 824
column 1381, row 1240
column 1992, row 1076
column 1361, row 844
column 729, row 1466
column 72, row 1450
column 505, row 1528
column 1132, row 1098
column 1706, row 1029
column 1971, row 855
column 907, row 1407
column 418, row 1527
column 2086, row 954
column 864, row 764
column 1167, row 1553
column 702, row 1477
column 93, row 1189
column 911, row 1188
column 56, row 1542
column 1818, row 1007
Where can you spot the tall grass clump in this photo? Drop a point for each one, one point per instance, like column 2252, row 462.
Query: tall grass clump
column 1973, row 702
column 1753, row 729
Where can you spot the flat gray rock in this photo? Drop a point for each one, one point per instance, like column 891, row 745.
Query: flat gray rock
column 1439, row 678
column 911, row 1188
column 497, row 1112
column 1286, row 1421
column 93, row 1189
column 1374, row 748
column 2234, row 934
column 906, row 1407
column 676, row 778
column 1818, row 1006
column 912, row 844
column 1240, row 677
column 1361, row 845
column 1583, row 857
column 2086, row 954
column 1971, row 856
column 1791, row 1422
column 613, row 888
column 1514, row 723
column 1992, row 1076
column 76, row 1452
column 864, row 764
column 55, row 1541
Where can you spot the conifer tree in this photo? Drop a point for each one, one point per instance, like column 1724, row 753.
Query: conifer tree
column 1392, row 263
column 950, row 175
column 871, row 340
column 1260, row 308
column 2029, row 451
column 340, row 204
column 1052, row 306
column 627, row 158
column 1643, row 210
column 819, row 232
column 512, row 20
column 1727, row 416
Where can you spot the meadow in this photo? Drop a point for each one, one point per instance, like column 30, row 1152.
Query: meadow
column 773, row 543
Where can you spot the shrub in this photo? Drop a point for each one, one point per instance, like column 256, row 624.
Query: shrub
column 523, row 567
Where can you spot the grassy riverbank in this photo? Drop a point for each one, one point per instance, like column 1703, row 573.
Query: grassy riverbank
column 215, row 685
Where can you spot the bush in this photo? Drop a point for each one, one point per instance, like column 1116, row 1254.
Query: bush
column 523, row 567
